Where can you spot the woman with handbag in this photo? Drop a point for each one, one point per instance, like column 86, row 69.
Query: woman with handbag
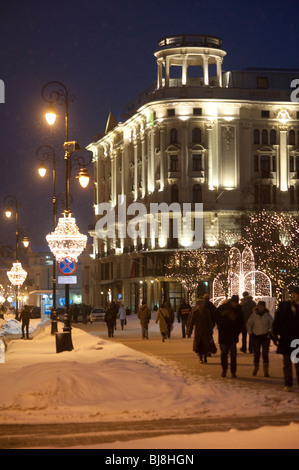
column 163, row 317
column 203, row 338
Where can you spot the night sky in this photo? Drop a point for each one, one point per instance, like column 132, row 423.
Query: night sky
column 103, row 52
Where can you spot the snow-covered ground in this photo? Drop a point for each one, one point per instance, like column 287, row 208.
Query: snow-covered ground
column 104, row 381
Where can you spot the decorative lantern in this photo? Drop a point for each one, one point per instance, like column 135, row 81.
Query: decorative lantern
column 66, row 241
column 17, row 274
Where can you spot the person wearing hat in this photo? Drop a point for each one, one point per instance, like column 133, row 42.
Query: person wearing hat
column 259, row 326
column 229, row 320
column 286, row 328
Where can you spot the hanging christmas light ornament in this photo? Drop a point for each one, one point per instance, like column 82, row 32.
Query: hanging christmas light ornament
column 17, row 274
column 66, row 241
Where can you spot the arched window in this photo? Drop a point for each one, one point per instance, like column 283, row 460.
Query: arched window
column 175, row 193
column 264, row 136
column 197, row 193
column 256, row 136
column 292, row 137
column 173, row 136
column 196, row 135
column 273, row 137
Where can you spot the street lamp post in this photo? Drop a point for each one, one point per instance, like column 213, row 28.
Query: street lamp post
column 65, row 240
column 44, row 154
column 17, row 274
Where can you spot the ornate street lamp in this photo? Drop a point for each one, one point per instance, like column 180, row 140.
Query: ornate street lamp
column 65, row 241
column 17, row 274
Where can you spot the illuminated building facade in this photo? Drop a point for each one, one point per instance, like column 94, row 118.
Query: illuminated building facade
column 228, row 139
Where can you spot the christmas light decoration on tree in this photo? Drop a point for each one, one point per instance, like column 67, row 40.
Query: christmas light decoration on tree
column 17, row 274
column 66, row 241
column 274, row 237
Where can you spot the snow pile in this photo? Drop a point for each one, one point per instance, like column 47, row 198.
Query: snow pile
column 102, row 380
column 10, row 326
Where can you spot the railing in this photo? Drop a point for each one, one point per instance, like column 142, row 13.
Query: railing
column 201, row 40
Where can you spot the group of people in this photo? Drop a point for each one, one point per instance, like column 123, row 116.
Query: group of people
column 165, row 318
column 233, row 318
column 112, row 312
column 257, row 327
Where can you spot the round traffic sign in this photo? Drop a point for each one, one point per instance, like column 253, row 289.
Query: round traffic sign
column 67, row 266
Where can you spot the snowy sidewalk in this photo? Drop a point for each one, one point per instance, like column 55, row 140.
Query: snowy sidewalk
column 103, row 381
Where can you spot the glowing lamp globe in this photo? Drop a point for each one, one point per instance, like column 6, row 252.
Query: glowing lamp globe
column 66, row 241
column 17, row 274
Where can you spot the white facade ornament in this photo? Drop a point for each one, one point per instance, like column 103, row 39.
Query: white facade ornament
column 283, row 115
column 228, row 135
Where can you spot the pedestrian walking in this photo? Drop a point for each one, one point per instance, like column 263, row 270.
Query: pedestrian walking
column 286, row 329
column 122, row 316
column 163, row 317
column 229, row 319
column 200, row 319
column 259, row 326
column 247, row 304
column 110, row 319
column 210, row 306
column 75, row 313
column 114, row 307
column 144, row 315
column 171, row 318
column 25, row 319
column 183, row 316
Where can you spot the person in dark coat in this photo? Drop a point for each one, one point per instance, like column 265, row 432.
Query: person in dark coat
column 183, row 316
column 211, row 307
column 110, row 319
column 201, row 319
column 229, row 319
column 286, row 329
column 247, row 304
column 163, row 317
column 171, row 317
column 144, row 315
column 25, row 319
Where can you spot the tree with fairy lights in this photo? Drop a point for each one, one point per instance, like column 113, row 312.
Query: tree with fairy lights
column 192, row 266
column 274, row 238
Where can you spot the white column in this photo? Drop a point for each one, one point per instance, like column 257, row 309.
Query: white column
column 184, row 187
column 135, row 143
column 159, row 77
column 113, row 189
column 184, row 71
column 219, row 70
column 167, row 69
column 211, row 169
column 143, row 169
column 206, row 69
column 162, row 156
column 152, row 158
column 283, row 160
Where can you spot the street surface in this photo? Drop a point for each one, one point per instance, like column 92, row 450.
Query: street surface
column 178, row 352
